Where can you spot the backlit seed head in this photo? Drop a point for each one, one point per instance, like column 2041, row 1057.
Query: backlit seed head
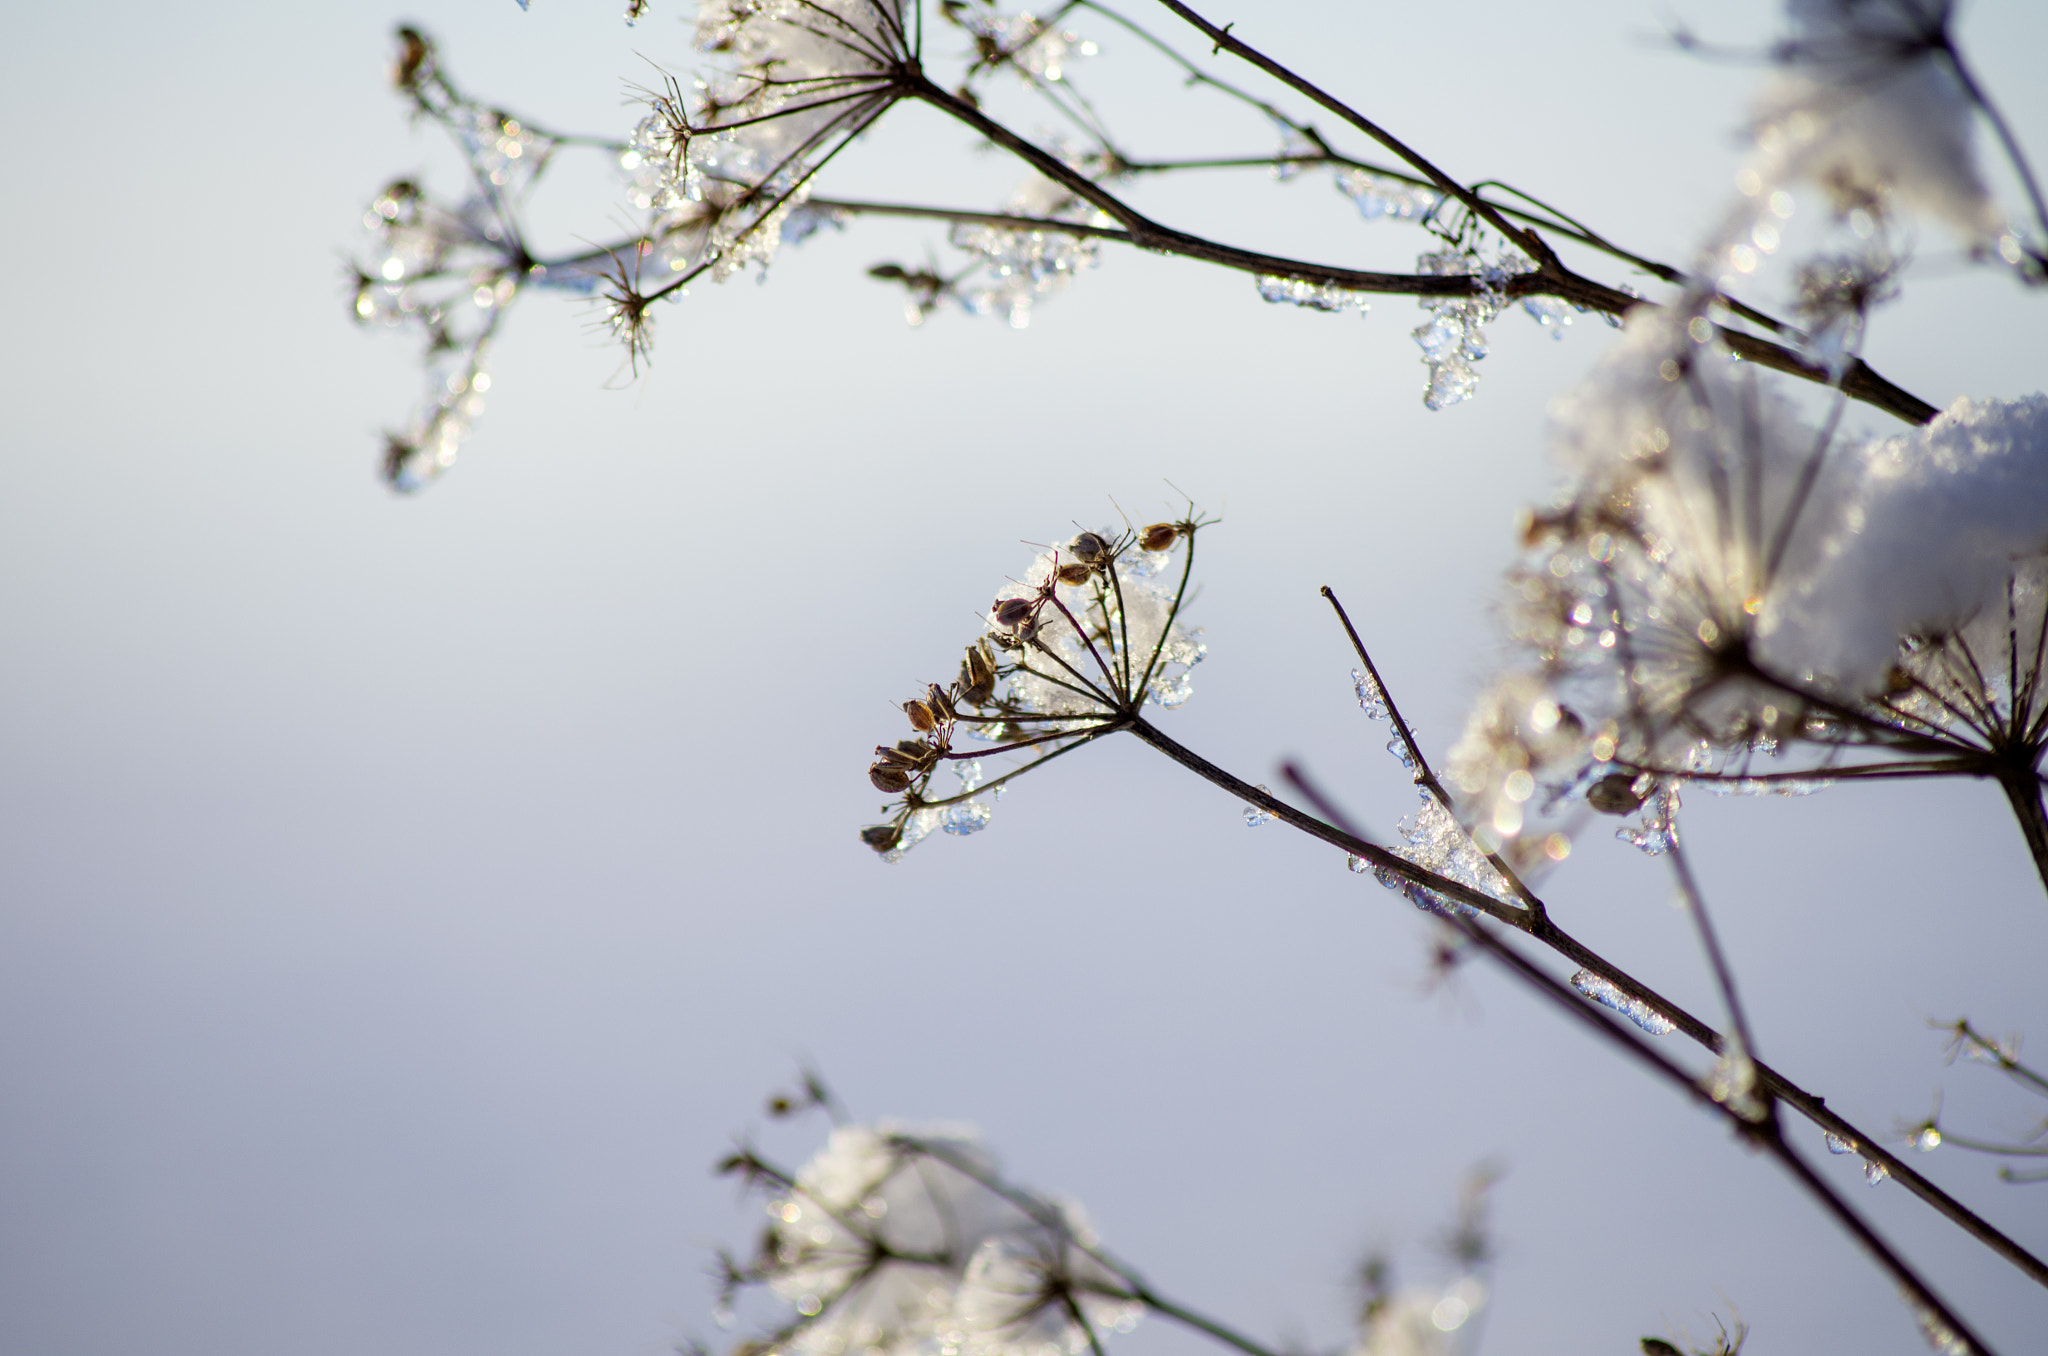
column 935, row 697
column 1074, row 574
column 1159, row 536
column 1616, row 794
column 1089, row 548
column 890, row 781
column 922, row 717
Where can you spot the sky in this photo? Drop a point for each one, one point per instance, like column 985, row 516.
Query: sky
column 403, row 902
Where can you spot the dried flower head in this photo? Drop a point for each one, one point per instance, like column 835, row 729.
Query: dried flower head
column 1724, row 584
column 906, row 1240
column 1074, row 650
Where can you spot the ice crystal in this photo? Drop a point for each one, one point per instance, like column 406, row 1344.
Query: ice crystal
column 1025, row 43
column 1836, row 1144
column 1874, row 1171
column 1454, row 337
column 1313, row 296
column 1024, row 266
column 1657, row 834
column 1608, row 995
column 1253, row 815
column 1380, row 198
column 1371, row 699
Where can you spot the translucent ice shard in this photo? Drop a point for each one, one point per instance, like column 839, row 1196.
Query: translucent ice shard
column 1607, row 995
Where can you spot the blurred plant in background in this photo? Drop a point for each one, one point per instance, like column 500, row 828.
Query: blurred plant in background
column 1734, row 590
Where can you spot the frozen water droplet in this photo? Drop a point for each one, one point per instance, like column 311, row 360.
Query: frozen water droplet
column 1928, row 1140
column 1253, row 815
column 1607, row 995
column 1875, row 1172
column 1838, row 1145
column 970, row 773
column 1357, row 864
column 1383, row 199
column 1400, row 752
column 969, row 816
column 1371, row 699
column 1313, row 296
column 1658, row 833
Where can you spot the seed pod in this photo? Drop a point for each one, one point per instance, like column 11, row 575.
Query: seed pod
column 889, row 780
column 922, row 717
column 1616, row 794
column 1089, row 548
column 942, row 706
column 1074, row 574
column 1012, row 614
column 908, row 753
column 977, row 674
column 1159, row 536
column 882, row 837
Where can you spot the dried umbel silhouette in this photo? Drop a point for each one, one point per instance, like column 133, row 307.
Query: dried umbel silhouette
column 1736, row 588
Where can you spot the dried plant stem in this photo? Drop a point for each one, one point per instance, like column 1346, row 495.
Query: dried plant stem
column 2023, row 790
column 1764, row 1133
column 1551, row 277
column 1540, row 928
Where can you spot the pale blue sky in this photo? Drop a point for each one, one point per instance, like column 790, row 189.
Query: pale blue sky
column 404, row 901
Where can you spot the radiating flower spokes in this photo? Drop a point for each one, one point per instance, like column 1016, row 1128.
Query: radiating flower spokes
column 1732, row 597
column 1075, row 648
column 908, row 1240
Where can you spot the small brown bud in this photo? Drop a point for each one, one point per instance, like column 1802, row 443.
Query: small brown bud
column 889, row 780
column 1089, row 548
column 1159, row 536
column 1616, row 794
column 922, row 717
column 413, row 53
column 1074, row 574
column 935, row 697
column 882, row 837
column 1012, row 613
